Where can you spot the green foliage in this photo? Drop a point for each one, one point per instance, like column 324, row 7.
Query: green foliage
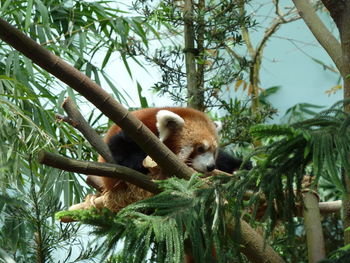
column 27, row 230
column 216, row 34
column 301, row 112
column 318, row 147
column 239, row 119
column 340, row 256
column 264, row 95
column 186, row 214
column 31, row 193
column 79, row 32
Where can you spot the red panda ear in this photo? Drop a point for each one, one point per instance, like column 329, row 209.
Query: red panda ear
column 168, row 122
column 218, row 126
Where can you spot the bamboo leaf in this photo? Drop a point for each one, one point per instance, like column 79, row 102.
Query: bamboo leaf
column 28, row 15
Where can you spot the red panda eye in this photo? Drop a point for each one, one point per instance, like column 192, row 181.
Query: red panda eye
column 200, row 149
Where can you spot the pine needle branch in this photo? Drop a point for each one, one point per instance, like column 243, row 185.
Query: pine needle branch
column 183, row 211
column 319, row 146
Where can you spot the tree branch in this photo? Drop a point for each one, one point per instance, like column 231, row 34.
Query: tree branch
column 253, row 245
column 100, row 169
column 330, row 207
column 99, row 97
column 340, row 12
column 313, row 227
column 89, row 133
column 269, row 32
column 320, row 31
column 77, row 120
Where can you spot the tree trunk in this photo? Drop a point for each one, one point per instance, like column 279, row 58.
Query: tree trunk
column 340, row 12
column 345, row 46
column 200, row 104
column 313, row 228
column 195, row 95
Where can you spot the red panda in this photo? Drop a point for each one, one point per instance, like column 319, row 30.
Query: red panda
column 189, row 133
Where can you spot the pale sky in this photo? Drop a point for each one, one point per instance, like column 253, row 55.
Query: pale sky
column 288, row 62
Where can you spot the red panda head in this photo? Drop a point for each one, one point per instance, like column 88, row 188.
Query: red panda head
column 191, row 135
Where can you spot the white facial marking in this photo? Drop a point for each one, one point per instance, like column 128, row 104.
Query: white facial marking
column 201, row 162
column 167, row 122
column 218, row 126
column 185, row 153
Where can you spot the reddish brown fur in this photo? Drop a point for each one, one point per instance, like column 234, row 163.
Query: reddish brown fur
column 196, row 128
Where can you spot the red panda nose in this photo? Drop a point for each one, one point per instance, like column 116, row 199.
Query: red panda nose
column 210, row 167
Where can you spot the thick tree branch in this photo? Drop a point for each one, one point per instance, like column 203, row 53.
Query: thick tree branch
column 330, row 207
column 96, row 95
column 313, row 227
column 253, row 245
column 100, row 169
column 320, row 31
column 340, row 12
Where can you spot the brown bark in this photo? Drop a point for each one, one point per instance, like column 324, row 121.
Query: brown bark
column 89, row 133
column 194, row 93
column 330, row 207
column 313, row 228
column 99, row 97
column 340, row 12
column 253, row 245
column 100, row 169
column 77, row 121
